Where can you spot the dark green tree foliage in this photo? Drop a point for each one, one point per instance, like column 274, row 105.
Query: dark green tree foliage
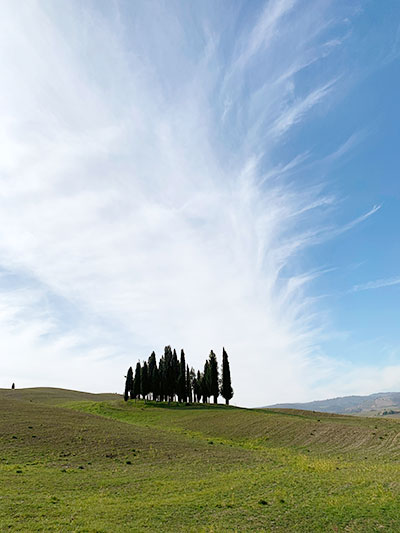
column 206, row 382
column 182, row 394
column 189, row 385
column 152, row 365
column 226, row 386
column 152, row 362
column 169, row 373
column 203, row 388
column 172, row 378
column 136, row 381
column 128, row 384
column 175, row 374
column 162, row 372
column 214, row 376
column 144, row 382
column 155, row 383
column 197, row 387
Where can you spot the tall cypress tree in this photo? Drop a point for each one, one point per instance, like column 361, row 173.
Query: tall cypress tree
column 175, row 373
column 152, row 363
column 128, row 383
column 206, row 382
column 144, row 381
column 197, row 387
column 162, row 379
column 182, row 394
column 214, row 376
column 136, row 382
column 155, row 380
column 226, row 387
column 169, row 373
column 203, row 388
column 189, row 385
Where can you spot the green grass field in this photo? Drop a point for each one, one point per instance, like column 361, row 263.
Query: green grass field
column 73, row 461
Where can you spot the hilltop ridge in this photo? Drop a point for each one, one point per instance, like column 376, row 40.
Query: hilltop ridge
column 55, row 396
column 377, row 404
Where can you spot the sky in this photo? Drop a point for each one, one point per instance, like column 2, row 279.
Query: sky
column 201, row 174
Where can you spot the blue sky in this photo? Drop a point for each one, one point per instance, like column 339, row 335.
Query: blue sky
column 201, row 174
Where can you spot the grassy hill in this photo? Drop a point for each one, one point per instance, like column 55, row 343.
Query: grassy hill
column 379, row 404
column 72, row 464
column 53, row 396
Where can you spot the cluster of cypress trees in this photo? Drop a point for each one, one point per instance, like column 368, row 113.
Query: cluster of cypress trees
column 172, row 379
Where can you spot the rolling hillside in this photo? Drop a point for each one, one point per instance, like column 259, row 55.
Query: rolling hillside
column 53, row 396
column 72, row 464
column 379, row 404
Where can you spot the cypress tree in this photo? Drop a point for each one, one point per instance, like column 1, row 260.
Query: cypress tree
column 136, row 382
column 206, row 382
column 203, row 388
column 182, row 394
column 128, row 383
column 155, row 380
column 169, row 373
column 175, row 373
column 214, row 376
column 189, row 384
column 192, row 378
column 144, row 381
column 197, row 387
column 226, row 387
column 151, row 366
column 162, row 378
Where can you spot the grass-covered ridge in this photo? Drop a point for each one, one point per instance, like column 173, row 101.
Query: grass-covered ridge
column 54, row 396
column 116, row 466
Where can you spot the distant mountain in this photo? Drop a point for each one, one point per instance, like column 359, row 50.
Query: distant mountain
column 381, row 403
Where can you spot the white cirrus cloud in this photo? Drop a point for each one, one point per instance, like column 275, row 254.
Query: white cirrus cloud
column 376, row 284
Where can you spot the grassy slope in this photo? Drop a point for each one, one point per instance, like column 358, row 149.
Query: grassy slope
column 53, row 396
column 142, row 467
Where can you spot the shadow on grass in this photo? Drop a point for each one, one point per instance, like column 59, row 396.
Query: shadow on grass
column 179, row 406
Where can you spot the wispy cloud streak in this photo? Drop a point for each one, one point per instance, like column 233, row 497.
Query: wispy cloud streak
column 266, row 29
column 295, row 111
column 377, row 284
column 332, row 233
